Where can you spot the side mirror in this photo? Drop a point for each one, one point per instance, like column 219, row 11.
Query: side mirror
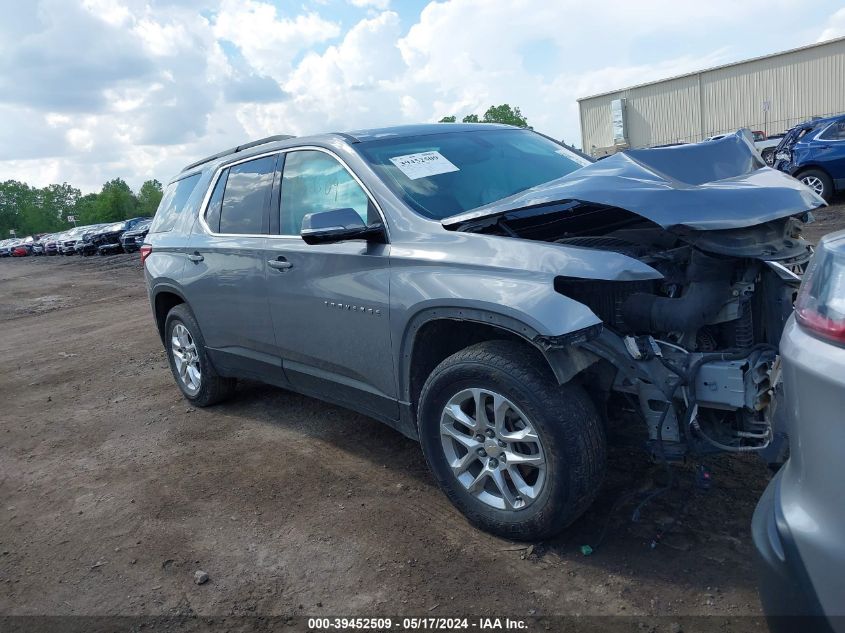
column 338, row 225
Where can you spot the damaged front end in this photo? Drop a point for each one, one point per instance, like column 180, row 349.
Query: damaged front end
column 695, row 348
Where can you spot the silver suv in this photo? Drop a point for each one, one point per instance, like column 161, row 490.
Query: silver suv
column 491, row 293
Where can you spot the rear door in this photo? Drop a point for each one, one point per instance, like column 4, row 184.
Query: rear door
column 225, row 277
column 329, row 302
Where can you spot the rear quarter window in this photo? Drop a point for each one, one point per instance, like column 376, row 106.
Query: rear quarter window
column 835, row 132
column 172, row 203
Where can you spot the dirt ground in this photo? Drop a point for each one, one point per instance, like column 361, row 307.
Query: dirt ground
column 114, row 492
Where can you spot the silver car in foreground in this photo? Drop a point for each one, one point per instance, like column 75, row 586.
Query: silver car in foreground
column 799, row 523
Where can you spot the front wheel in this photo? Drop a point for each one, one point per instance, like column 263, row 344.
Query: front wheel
column 819, row 182
column 518, row 454
column 195, row 376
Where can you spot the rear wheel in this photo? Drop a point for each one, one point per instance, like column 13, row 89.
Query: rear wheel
column 819, row 182
column 520, row 455
column 189, row 362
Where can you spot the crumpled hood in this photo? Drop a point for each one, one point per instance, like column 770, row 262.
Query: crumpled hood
column 721, row 184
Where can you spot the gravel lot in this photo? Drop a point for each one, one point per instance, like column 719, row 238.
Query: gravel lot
column 115, row 492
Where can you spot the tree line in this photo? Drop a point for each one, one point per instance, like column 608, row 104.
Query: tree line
column 494, row 114
column 29, row 210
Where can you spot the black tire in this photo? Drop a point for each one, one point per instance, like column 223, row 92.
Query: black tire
column 823, row 178
column 213, row 387
column 563, row 416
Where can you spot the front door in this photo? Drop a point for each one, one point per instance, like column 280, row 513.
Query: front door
column 329, row 303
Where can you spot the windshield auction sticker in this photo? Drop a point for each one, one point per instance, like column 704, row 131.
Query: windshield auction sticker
column 423, row 165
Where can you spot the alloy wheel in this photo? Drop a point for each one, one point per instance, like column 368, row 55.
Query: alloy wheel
column 493, row 449
column 814, row 183
column 186, row 358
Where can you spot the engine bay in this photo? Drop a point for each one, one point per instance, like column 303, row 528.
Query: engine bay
column 696, row 348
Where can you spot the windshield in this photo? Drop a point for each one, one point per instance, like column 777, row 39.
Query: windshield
column 441, row 175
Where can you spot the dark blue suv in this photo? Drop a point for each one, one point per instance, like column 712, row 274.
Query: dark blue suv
column 814, row 152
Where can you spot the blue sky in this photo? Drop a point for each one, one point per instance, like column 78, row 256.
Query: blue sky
column 94, row 89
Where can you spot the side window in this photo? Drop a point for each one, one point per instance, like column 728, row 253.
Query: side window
column 175, row 197
column 835, row 132
column 212, row 213
column 246, row 195
column 315, row 181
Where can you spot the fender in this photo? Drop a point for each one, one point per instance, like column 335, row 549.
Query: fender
column 549, row 321
column 168, row 286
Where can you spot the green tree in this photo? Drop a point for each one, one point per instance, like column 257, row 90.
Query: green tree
column 15, row 197
column 505, row 114
column 58, row 201
column 149, row 195
column 85, row 209
column 115, row 202
column 495, row 114
column 35, row 214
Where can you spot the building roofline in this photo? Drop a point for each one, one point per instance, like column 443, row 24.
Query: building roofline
column 712, row 68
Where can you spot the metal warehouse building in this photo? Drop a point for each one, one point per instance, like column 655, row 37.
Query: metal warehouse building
column 770, row 93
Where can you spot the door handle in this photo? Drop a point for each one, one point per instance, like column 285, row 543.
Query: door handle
column 196, row 257
column 280, row 263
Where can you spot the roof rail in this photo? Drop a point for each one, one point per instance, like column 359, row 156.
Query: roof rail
column 239, row 148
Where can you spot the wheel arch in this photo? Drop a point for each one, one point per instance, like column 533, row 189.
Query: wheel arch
column 434, row 334
column 810, row 167
column 164, row 299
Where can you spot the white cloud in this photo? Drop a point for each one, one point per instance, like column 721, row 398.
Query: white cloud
column 270, row 43
column 381, row 5
column 110, row 11
column 353, row 84
column 80, row 139
column 835, row 26
column 161, row 39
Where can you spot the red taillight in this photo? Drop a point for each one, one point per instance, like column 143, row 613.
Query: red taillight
column 145, row 250
column 820, row 306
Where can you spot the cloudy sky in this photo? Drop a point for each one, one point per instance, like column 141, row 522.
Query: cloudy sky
column 94, row 89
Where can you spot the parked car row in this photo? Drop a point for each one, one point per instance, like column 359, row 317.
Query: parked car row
column 16, row 247
column 103, row 239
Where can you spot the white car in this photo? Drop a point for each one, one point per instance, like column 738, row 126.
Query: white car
column 766, row 145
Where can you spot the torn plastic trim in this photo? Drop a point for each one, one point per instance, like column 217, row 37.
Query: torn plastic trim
column 564, row 354
column 561, row 341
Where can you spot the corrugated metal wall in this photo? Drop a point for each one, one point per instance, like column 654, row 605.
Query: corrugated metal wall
column 797, row 85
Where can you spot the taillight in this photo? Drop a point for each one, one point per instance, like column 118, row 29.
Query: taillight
column 820, row 307
column 145, row 250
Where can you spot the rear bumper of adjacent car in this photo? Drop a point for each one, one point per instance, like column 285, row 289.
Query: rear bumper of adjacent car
column 789, row 599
